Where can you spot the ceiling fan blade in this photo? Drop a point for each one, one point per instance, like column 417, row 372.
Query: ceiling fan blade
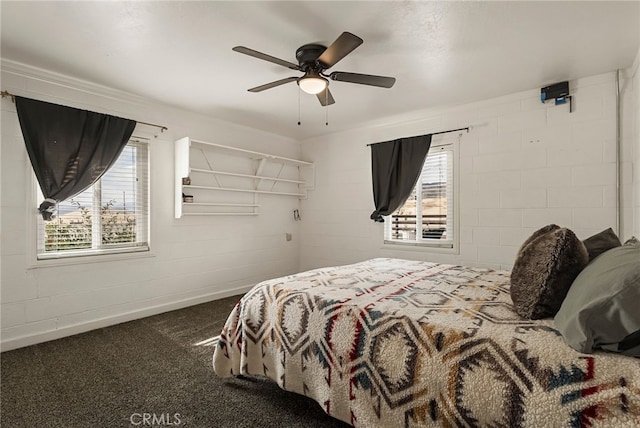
column 325, row 97
column 266, row 57
column 273, row 84
column 363, row 79
column 340, row 48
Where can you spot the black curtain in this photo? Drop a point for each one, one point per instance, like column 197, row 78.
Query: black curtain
column 395, row 167
column 69, row 149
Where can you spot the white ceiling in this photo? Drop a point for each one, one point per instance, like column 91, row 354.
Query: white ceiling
column 442, row 53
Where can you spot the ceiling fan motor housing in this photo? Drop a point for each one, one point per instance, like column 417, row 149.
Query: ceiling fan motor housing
column 307, row 56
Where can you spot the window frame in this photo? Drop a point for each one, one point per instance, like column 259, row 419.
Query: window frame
column 110, row 252
column 437, row 245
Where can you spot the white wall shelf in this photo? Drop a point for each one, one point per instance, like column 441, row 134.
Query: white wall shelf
column 227, row 180
column 232, row 174
column 248, row 153
column 233, row 189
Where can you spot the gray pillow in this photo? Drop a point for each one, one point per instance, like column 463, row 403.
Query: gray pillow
column 601, row 308
column 546, row 265
column 601, row 242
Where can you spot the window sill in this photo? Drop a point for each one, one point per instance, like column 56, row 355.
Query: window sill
column 445, row 248
column 91, row 258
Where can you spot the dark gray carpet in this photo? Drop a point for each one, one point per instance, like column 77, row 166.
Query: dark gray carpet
column 103, row 377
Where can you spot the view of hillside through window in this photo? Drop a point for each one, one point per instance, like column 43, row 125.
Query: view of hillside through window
column 103, row 215
column 434, row 214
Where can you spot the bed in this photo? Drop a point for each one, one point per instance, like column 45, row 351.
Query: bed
column 399, row 343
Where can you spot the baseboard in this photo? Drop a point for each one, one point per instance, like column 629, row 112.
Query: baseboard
column 21, row 342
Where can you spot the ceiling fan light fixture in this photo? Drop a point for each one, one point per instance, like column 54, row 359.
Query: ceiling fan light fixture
column 312, row 83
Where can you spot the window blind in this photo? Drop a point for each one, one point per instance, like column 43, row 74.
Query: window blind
column 427, row 215
column 109, row 217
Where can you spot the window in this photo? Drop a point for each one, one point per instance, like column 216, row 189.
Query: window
column 426, row 218
column 112, row 216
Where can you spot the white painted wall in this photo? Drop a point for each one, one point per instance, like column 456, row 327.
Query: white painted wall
column 523, row 165
column 635, row 88
column 192, row 259
column 628, row 162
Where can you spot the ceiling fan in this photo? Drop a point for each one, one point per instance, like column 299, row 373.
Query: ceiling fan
column 314, row 60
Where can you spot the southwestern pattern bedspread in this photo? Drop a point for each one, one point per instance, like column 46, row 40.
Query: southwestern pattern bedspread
column 398, row 343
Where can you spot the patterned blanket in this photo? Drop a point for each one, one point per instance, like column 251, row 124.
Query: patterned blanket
column 398, row 343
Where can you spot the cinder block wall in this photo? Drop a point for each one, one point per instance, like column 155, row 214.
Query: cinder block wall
column 636, row 145
column 523, row 165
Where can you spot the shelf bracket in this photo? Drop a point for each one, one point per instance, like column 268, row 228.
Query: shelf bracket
column 273, row 185
column 263, row 162
column 210, row 167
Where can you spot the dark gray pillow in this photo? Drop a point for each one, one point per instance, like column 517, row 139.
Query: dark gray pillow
column 601, row 242
column 601, row 308
column 546, row 265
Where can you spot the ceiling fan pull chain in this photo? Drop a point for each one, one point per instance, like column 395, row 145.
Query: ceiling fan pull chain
column 326, row 98
column 298, row 107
